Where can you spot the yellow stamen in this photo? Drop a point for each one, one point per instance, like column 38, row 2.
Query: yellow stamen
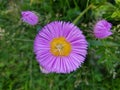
column 60, row 47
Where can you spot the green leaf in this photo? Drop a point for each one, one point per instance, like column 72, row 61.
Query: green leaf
column 116, row 15
column 105, row 9
column 117, row 2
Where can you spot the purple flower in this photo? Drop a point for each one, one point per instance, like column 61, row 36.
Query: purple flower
column 29, row 17
column 102, row 29
column 60, row 47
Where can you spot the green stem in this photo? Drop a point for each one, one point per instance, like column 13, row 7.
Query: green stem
column 68, row 3
column 81, row 14
column 31, row 1
column 87, row 3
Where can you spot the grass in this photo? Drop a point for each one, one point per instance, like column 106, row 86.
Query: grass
column 19, row 69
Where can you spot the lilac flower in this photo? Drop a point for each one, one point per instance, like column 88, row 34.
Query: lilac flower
column 60, row 47
column 29, row 17
column 102, row 29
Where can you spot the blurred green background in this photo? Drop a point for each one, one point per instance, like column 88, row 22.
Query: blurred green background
column 19, row 69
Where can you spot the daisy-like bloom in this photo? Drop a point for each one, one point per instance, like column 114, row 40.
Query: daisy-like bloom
column 60, row 47
column 102, row 29
column 29, row 17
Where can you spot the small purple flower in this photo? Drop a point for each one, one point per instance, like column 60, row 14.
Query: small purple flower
column 102, row 29
column 60, row 47
column 29, row 17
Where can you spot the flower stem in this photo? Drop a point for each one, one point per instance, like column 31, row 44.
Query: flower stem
column 81, row 14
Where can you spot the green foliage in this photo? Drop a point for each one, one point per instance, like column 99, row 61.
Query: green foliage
column 110, row 11
column 117, row 2
column 19, row 69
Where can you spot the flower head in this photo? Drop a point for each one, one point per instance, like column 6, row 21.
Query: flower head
column 60, row 47
column 102, row 29
column 29, row 17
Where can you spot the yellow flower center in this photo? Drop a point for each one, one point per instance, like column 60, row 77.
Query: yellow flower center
column 60, row 47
